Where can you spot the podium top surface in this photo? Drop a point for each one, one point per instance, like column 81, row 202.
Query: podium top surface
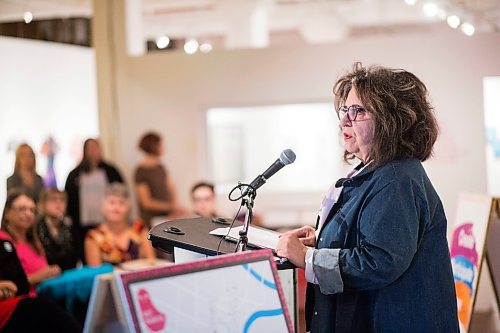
column 196, row 236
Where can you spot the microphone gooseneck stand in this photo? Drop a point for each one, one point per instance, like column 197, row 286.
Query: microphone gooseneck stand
column 247, row 201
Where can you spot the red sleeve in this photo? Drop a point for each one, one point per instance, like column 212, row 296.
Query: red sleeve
column 7, row 308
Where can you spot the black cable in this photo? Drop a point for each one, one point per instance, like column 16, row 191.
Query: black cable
column 228, row 231
column 244, row 189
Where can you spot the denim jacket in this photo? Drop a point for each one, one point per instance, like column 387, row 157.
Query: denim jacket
column 382, row 260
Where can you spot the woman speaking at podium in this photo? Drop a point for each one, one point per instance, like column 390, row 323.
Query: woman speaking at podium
column 378, row 259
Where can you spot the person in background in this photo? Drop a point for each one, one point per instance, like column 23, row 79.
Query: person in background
column 155, row 189
column 116, row 240
column 86, row 187
column 18, row 227
column 54, row 229
column 378, row 259
column 203, row 199
column 25, row 175
column 18, row 311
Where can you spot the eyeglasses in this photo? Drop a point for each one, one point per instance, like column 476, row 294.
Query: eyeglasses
column 351, row 111
column 23, row 209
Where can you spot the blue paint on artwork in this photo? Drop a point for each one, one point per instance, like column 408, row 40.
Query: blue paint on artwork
column 259, row 278
column 260, row 314
column 493, row 140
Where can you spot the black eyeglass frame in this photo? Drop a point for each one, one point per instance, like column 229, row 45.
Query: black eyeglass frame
column 351, row 111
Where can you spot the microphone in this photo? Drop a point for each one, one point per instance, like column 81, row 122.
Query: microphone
column 287, row 157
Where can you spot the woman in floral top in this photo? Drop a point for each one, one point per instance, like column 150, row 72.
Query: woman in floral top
column 115, row 240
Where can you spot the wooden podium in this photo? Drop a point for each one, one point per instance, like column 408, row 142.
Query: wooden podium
column 194, row 235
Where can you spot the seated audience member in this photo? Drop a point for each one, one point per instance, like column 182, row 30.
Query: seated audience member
column 18, row 226
column 20, row 313
column 203, row 199
column 115, row 240
column 55, row 231
column 156, row 193
column 25, row 175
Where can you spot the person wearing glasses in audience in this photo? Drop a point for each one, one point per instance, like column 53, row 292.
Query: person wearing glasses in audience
column 378, row 259
column 18, row 227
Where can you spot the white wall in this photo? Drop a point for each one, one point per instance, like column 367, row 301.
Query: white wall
column 171, row 92
column 45, row 89
column 492, row 125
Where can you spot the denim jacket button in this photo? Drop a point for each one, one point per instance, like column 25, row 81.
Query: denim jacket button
column 315, row 313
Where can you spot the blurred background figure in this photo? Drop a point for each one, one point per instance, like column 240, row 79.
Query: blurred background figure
column 155, row 189
column 86, row 187
column 18, row 227
column 49, row 150
column 54, row 229
column 25, row 175
column 116, row 241
column 203, row 199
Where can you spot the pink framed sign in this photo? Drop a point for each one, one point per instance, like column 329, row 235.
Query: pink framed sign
column 230, row 293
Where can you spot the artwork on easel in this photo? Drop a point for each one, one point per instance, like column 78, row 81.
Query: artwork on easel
column 238, row 292
column 467, row 250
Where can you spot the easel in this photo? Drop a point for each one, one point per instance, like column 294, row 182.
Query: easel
column 477, row 218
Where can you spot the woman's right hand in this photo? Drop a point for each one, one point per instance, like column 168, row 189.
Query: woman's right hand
column 7, row 289
column 306, row 234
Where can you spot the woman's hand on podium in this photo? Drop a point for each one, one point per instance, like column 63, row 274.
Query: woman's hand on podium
column 291, row 247
column 306, row 234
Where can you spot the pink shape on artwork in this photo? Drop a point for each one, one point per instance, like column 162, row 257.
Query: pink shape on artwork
column 154, row 319
column 464, row 243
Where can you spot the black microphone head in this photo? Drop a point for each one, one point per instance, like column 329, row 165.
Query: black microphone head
column 287, row 156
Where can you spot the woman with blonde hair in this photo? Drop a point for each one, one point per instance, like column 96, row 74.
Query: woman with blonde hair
column 116, row 241
column 25, row 175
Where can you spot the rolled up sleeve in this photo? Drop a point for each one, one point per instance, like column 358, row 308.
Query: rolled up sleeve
column 327, row 270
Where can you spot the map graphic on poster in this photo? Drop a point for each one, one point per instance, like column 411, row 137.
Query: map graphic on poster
column 237, row 298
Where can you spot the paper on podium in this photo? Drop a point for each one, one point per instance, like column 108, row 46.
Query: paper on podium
column 258, row 237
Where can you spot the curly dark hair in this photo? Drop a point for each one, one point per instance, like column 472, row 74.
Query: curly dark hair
column 404, row 122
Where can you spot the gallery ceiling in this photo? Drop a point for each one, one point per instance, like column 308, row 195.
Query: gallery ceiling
column 260, row 23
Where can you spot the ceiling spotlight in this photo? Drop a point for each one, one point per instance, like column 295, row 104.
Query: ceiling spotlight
column 468, row 29
column 411, row 2
column 162, row 42
column 191, row 46
column 453, row 21
column 206, row 47
column 28, row 17
column 431, row 9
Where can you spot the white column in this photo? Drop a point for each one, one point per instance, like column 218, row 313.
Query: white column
column 136, row 45
column 249, row 23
